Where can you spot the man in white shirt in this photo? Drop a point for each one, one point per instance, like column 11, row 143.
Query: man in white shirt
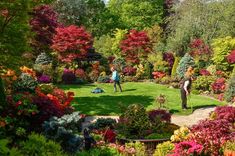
column 185, row 91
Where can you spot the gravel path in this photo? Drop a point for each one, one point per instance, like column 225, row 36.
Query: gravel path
column 181, row 120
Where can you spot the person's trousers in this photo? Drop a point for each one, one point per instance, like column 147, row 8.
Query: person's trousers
column 115, row 86
column 183, row 98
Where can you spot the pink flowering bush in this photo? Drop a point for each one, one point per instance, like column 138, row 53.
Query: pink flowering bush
column 226, row 113
column 187, row 148
column 231, row 57
column 212, row 134
column 218, row 86
column 204, row 72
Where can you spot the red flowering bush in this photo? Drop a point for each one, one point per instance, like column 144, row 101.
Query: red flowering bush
column 68, row 76
column 204, row 72
column 231, row 57
column 80, row 73
column 136, row 45
column 71, row 42
column 187, row 148
column 212, row 134
column 219, row 73
column 157, row 75
column 219, row 85
column 129, row 71
column 200, row 49
column 226, row 113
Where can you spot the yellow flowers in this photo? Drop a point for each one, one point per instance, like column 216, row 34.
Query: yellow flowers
column 180, row 134
column 27, row 70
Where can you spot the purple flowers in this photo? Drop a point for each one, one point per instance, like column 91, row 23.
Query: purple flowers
column 44, row 79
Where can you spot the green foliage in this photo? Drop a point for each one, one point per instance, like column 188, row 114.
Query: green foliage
column 155, row 34
column 102, row 123
column 230, row 91
column 211, row 69
column 2, row 95
column 222, row 47
column 203, row 83
column 134, row 122
column 199, row 19
column 161, row 66
column 138, row 146
column 100, row 151
column 25, row 83
column 184, row 63
column 175, row 65
column 40, row 146
column 103, row 79
column 164, row 149
column 158, row 136
column 229, row 145
column 119, row 63
column 148, row 70
column 6, row 151
column 103, row 45
column 137, row 15
column 46, row 88
column 119, row 35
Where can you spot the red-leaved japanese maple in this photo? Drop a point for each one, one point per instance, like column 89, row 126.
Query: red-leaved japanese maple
column 71, row 42
column 44, row 23
column 200, row 49
column 135, row 46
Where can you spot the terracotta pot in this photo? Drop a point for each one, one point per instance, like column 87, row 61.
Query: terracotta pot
column 229, row 152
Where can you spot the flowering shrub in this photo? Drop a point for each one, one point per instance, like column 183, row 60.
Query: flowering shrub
column 44, row 79
column 157, row 75
column 80, row 73
column 181, row 134
column 200, row 49
column 231, row 57
column 25, row 83
column 212, row 134
column 220, row 73
column 218, row 86
column 68, row 76
column 203, row 83
column 226, row 113
column 129, row 71
column 164, row 149
column 9, row 77
column 28, row 71
column 136, row 45
column 186, row 148
column 204, row 72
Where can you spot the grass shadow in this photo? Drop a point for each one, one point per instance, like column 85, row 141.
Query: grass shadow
column 128, row 90
column 108, row 105
column 203, row 107
column 75, row 86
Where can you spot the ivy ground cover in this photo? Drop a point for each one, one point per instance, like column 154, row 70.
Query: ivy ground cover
column 145, row 93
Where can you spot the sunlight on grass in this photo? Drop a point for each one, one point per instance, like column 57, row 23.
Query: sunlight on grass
column 110, row 103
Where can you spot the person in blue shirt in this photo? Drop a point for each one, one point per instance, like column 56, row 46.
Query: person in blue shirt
column 116, row 79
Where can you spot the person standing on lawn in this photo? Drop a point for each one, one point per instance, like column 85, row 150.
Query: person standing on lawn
column 186, row 86
column 116, row 79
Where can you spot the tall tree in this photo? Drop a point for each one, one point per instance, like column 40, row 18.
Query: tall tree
column 138, row 14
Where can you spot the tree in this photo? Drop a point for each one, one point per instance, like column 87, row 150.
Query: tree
column 89, row 13
column 136, row 46
column 71, row 42
column 202, row 19
column 43, row 23
column 2, row 95
column 184, row 63
column 138, row 14
column 14, row 31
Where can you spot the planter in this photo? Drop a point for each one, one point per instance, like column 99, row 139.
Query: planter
column 150, row 144
column 229, row 152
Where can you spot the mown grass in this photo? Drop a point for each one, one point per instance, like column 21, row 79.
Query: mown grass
column 110, row 103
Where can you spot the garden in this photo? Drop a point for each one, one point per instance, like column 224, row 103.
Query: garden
column 57, row 63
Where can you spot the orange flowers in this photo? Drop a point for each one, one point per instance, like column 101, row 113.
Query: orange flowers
column 29, row 71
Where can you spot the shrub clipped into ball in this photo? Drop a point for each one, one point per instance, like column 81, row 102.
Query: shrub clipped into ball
column 134, row 122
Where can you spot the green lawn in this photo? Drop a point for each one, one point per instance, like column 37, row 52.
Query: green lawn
column 109, row 103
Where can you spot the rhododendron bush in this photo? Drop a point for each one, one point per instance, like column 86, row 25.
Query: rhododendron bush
column 137, row 45
column 219, row 85
column 71, row 42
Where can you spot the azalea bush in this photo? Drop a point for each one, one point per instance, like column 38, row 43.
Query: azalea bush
column 219, row 85
column 204, row 72
column 129, row 71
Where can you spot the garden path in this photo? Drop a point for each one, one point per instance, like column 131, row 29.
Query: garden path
column 181, row 120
